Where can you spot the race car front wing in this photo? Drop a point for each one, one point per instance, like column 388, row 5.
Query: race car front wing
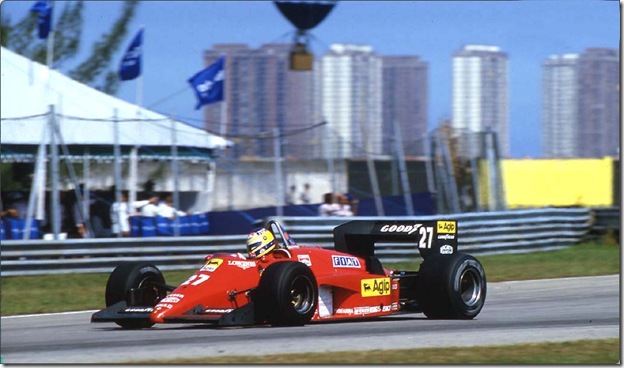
column 119, row 312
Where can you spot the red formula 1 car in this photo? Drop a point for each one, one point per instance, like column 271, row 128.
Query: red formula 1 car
column 295, row 284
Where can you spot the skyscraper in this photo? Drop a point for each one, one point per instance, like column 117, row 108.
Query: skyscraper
column 405, row 101
column 351, row 100
column 599, row 103
column 262, row 94
column 480, row 92
column 560, row 106
column 581, row 104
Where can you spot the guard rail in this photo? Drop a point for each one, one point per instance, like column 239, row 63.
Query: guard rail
column 478, row 233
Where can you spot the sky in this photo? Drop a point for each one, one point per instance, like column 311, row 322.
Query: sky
column 177, row 33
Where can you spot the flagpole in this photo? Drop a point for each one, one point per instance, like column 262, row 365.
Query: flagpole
column 139, row 84
column 223, row 118
column 55, row 204
column 224, row 112
column 139, row 93
column 176, row 174
column 50, row 51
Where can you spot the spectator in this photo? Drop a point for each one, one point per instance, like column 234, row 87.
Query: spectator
column 73, row 222
column 99, row 215
column 148, row 186
column 18, row 204
column 354, row 203
column 151, row 208
column 305, row 195
column 120, row 213
column 166, row 209
column 290, row 196
column 328, row 208
column 9, row 213
column 344, row 206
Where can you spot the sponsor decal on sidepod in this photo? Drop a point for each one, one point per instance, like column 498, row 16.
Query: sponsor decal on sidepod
column 305, row 259
column 367, row 310
column 375, row 287
column 345, row 262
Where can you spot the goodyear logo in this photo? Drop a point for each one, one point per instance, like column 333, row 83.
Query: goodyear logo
column 408, row 229
column 446, row 227
column 347, row 262
column 212, row 264
column 376, row 287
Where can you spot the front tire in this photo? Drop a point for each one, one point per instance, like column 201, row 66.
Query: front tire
column 452, row 286
column 287, row 294
column 145, row 279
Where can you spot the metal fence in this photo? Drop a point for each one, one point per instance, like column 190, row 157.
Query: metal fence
column 478, row 233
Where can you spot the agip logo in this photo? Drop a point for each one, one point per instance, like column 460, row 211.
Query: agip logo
column 446, row 227
column 375, row 287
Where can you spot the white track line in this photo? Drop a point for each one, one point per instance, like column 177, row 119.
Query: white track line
column 49, row 314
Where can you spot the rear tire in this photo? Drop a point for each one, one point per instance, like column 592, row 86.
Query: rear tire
column 287, row 294
column 452, row 286
column 144, row 277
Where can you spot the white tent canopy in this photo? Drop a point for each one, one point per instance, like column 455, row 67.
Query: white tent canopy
column 90, row 123
column 86, row 115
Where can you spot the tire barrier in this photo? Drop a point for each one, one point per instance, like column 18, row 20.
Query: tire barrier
column 14, row 229
column 195, row 224
column 140, row 226
column 478, row 233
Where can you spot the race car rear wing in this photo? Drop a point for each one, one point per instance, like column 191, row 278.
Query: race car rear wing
column 431, row 237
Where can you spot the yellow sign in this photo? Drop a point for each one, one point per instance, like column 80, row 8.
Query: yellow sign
column 212, row 264
column 586, row 182
column 446, row 227
column 376, row 287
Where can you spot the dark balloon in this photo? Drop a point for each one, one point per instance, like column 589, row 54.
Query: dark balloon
column 305, row 15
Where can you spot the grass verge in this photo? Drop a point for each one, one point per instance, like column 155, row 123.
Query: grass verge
column 58, row 293
column 594, row 352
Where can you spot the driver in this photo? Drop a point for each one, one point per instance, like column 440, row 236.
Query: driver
column 260, row 243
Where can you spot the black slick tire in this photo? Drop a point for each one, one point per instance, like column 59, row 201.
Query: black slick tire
column 135, row 275
column 287, row 294
column 452, row 286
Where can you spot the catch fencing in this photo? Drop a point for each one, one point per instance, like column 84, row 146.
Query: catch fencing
column 478, row 233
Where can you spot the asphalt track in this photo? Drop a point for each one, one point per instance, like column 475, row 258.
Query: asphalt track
column 515, row 312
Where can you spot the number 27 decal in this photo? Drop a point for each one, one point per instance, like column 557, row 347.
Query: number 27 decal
column 196, row 279
column 426, row 234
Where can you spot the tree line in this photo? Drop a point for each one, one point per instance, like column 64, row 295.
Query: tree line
column 98, row 69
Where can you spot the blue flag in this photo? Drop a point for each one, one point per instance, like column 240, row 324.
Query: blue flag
column 44, row 19
column 209, row 83
column 130, row 67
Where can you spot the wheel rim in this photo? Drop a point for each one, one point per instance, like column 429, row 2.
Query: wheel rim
column 152, row 294
column 302, row 294
column 470, row 287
